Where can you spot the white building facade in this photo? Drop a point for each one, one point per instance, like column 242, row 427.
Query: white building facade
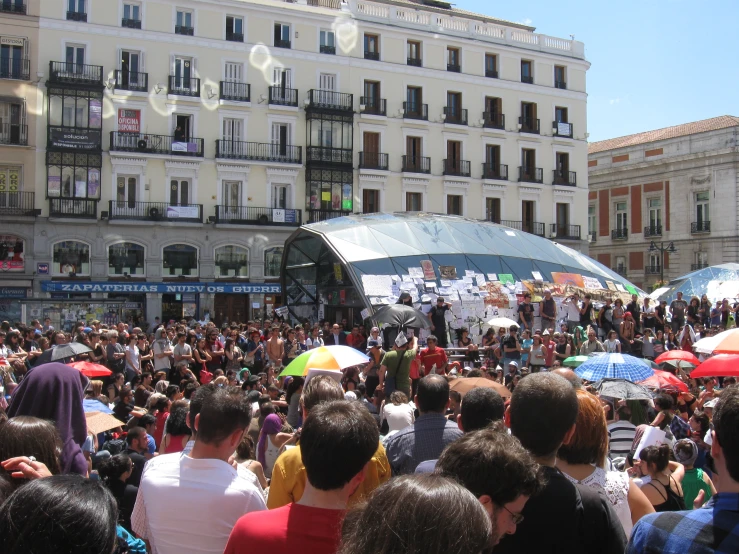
column 185, row 140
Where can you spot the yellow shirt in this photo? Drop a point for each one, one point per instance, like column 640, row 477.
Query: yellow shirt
column 288, row 478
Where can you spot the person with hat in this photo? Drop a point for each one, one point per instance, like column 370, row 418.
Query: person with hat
column 376, row 355
column 548, row 310
column 438, row 321
column 395, row 371
column 512, row 372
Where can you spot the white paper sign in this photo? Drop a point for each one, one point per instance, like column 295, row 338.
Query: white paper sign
column 653, row 436
column 537, row 276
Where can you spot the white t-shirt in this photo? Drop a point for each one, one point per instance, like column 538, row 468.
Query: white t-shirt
column 159, row 347
column 133, row 360
column 573, row 311
column 189, row 506
column 398, row 417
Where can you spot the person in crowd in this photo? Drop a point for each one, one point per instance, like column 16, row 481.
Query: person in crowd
column 371, row 370
column 270, row 442
column 398, row 413
column 563, row 517
column 233, row 355
column 663, row 490
column 215, row 347
column 136, row 447
column 114, row 389
column 429, row 434
column 526, row 313
column 678, row 307
column 59, row 514
column 538, row 355
column 336, row 337
column 143, row 390
column 494, row 467
column 586, row 312
column 245, row 456
column 571, row 305
column 592, row 344
column 149, row 423
column 289, row 475
column 338, row 430
column 124, row 407
column 511, row 346
column 385, row 525
column 695, row 479
column 133, row 357
column 292, row 397
column 182, row 352
column 583, row 461
column 548, row 310
column 704, row 311
column 176, row 432
column 162, row 351
column 562, row 349
column 315, row 340
column 438, row 321
column 627, row 333
column 201, row 478
column 115, row 353
column 621, row 433
column 56, row 393
column 114, row 472
column 715, row 526
column 433, row 358
column 95, row 392
column 395, row 371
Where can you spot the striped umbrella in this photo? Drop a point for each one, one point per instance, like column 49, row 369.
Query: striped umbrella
column 614, row 366
column 333, row 357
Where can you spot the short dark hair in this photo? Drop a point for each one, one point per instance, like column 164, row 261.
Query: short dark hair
column 624, row 413
column 59, row 514
column 480, row 407
column 224, row 411
column 146, row 419
column 266, row 408
column 135, row 433
column 726, row 425
column 190, row 389
column 543, row 408
column 338, row 430
column 146, row 374
column 491, row 462
column 475, row 373
column 112, row 467
column 176, row 423
column 664, row 402
column 433, row 394
column 321, row 388
column 197, row 400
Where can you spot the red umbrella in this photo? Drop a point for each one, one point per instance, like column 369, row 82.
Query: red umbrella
column 680, row 355
column 91, row 370
column 721, row 365
column 664, row 380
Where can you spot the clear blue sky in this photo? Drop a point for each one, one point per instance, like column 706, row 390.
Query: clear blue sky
column 655, row 63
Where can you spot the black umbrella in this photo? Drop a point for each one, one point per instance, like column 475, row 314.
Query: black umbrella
column 62, row 352
column 621, row 388
column 400, row 315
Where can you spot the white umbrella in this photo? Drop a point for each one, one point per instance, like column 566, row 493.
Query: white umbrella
column 706, row 345
column 498, row 322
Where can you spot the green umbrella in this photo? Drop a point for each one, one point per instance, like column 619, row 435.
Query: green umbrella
column 332, row 357
column 575, row 361
column 650, row 363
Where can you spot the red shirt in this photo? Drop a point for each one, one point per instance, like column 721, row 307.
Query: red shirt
column 428, row 358
column 549, row 358
column 291, row 529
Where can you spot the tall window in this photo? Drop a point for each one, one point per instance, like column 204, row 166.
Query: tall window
column 126, row 258
column 654, row 263
column 282, row 35
column 413, row 201
column 527, row 71
column 701, row 260
column 280, row 197
column 70, row 256
column 562, row 213
column 702, row 213
column 655, row 216
column 528, row 215
column 454, row 204
column 371, row 47
column 180, row 259
column 126, row 191
column 12, row 62
column 560, row 77
column 491, row 65
column 231, row 195
column 492, row 209
column 179, row 192
column 131, row 11
column 234, row 28
column 592, row 226
column 414, row 53
column 232, row 261
column 370, row 201
column 328, row 42
column 273, row 261
column 453, row 62
column 621, row 264
column 621, row 217
column 183, row 24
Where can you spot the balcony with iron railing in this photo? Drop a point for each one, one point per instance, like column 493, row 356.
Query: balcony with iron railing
column 134, row 81
column 564, row 231
column 131, row 23
column 533, row 227
column 282, row 43
column 416, row 164
column 314, row 216
column 235, row 91
column 17, row 203
column 653, row 230
column 372, row 105
column 562, row 129
column 415, row 62
column 62, row 73
column 184, row 86
column 619, row 234
column 528, row 79
column 454, row 67
column 187, row 30
column 528, row 125
column 494, row 171
column 251, row 215
column 698, row 266
column 145, row 143
column 77, row 16
column 457, row 168
column 493, row 120
column 155, row 211
column 77, row 208
column 415, row 110
column 330, row 100
column 560, row 84
column 326, row 49
column 455, row 115
column 700, row 227
column 564, row 178
column 593, row 236
column 17, row 7
column 371, row 55
column 14, row 134
column 373, row 160
column 530, row 174
column 620, row 270
column 283, row 96
column 331, row 4
column 259, row 151
column 491, row 73
column 234, row 37
column 652, row 269
column 15, row 68
column 329, row 155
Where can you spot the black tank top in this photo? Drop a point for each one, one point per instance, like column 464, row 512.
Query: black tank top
column 673, row 502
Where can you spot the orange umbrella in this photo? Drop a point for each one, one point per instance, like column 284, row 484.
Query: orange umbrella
column 91, row 370
column 729, row 344
column 463, row 385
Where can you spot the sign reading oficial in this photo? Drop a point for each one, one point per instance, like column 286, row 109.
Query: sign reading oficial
column 110, row 286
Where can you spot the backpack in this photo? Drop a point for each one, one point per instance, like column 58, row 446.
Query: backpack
column 115, row 446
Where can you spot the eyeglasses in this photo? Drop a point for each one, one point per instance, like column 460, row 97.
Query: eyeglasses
column 517, row 518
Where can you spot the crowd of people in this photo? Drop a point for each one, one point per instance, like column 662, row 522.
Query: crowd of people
column 214, row 451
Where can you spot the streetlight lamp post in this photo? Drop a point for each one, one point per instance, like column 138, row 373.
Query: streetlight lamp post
column 670, row 248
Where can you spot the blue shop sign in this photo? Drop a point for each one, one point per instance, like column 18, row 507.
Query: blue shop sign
column 162, row 288
column 13, row 292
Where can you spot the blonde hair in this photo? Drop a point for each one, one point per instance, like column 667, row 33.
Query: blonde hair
column 96, row 387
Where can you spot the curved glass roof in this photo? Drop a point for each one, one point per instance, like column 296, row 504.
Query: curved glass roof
column 387, row 244
column 716, row 282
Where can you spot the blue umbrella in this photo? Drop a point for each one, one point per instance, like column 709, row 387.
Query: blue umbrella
column 614, row 366
column 92, row 405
